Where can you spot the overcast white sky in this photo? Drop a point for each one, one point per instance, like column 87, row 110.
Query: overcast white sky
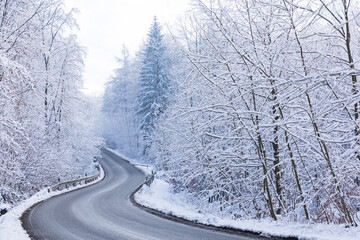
column 107, row 25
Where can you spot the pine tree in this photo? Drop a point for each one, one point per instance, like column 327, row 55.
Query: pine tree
column 154, row 82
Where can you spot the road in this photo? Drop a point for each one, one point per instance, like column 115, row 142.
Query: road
column 104, row 211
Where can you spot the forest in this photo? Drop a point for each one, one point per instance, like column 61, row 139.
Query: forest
column 46, row 122
column 250, row 107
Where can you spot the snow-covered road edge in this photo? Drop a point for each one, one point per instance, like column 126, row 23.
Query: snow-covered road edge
column 143, row 167
column 160, row 197
column 10, row 223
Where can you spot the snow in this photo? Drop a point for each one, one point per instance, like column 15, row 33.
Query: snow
column 160, row 196
column 10, row 223
column 147, row 169
column 126, row 158
column 4, row 206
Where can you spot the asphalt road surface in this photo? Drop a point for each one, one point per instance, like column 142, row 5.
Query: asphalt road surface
column 104, row 211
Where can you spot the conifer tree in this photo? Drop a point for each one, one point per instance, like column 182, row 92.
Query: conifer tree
column 154, row 82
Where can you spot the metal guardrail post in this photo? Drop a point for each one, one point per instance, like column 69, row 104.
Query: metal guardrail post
column 150, row 179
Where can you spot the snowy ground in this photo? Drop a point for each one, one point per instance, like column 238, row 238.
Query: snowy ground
column 10, row 223
column 160, row 196
column 143, row 167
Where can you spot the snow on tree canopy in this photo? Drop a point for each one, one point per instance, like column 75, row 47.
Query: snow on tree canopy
column 119, row 121
column 154, row 81
column 46, row 123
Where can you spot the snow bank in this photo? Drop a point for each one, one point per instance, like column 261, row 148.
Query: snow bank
column 147, row 169
column 4, row 206
column 126, row 158
column 160, row 196
column 10, row 223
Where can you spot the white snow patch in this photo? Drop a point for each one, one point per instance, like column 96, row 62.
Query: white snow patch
column 4, row 206
column 147, row 169
column 121, row 155
column 161, row 197
column 10, row 224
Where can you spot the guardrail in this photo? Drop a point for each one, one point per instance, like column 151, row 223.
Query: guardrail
column 149, row 179
column 86, row 180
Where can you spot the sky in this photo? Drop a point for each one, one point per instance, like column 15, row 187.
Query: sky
column 107, row 25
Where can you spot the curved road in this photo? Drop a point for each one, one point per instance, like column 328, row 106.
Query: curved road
column 104, row 211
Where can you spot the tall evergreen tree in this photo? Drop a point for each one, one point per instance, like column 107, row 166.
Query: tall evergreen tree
column 154, row 82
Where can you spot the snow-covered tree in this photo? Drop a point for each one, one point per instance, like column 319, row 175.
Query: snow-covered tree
column 265, row 122
column 119, row 121
column 42, row 132
column 153, row 96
